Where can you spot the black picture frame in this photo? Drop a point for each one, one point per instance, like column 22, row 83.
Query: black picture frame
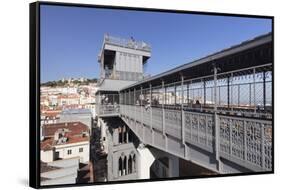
column 34, row 90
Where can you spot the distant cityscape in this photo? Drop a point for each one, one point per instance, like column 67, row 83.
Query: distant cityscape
column 69, row 82
column 67, row 112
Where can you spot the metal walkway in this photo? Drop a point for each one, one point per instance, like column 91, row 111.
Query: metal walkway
column 215, row 112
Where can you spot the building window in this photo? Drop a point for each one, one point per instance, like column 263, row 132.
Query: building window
column 57, row 155
column 69, row 152
column 134, row 168
column 124, row 172
column 130, row 169
column 120, row 166
column 80, row 149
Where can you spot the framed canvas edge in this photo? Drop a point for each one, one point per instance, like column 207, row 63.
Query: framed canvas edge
column 34, row 92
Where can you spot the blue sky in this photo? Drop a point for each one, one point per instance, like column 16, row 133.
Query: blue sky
column 71, row 37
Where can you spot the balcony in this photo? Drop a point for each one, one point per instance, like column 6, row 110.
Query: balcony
column 127, row 43
column 107, row 105
column 108, row 110
column 121, row 75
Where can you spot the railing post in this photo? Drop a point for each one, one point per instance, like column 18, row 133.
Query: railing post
column 163, row 112
column 254, row 73
column 134, row 104
column 201, row 107
column 204, row 89
column 182, row 111
column 163, row 109
column 215, row 88
column 228, row 94
column 217, row 140
column 264, row 91
column 206, row 131
column 187, row 93
column 231, row 100
column 150, row 105
column 245, row 140
column 250, row 94
column 190, row 123
column 141, row 108
column 230, row 136
column 219, row 95
column 175, row 95
column 262, row 146
column 238, row 91
column 216, row 121
column 212, row 95
column 150, row 90
column 198, row 118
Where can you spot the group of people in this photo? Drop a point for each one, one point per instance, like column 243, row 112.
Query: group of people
column 105, row 101
column 146, row 102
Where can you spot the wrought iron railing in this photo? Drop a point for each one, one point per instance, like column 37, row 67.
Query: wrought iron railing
column 128, row 43
column 245, row 92
column 108, row 109
column 107, row 104
column 245, row 141
column 121, row 75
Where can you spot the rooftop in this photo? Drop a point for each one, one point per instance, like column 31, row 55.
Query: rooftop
column 69, row 96
column 51, row 113
column 76, row 111
column 74, row 132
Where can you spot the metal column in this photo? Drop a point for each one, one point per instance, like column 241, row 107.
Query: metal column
column 141, row 103
column 150, row 105
column 152, row 135
column 255, row 107
column 135, row 106
column 175, row 95
column 204, row 86
column 187, row 93
column 216, row 121
column 182, row 111
column 264, row 90
column 228, row 93
column 163, row 108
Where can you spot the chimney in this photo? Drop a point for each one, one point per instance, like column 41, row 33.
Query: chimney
column 42, row 133
column 56, row 136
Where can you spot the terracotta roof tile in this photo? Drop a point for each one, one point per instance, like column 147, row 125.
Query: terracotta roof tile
column 74, row 134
